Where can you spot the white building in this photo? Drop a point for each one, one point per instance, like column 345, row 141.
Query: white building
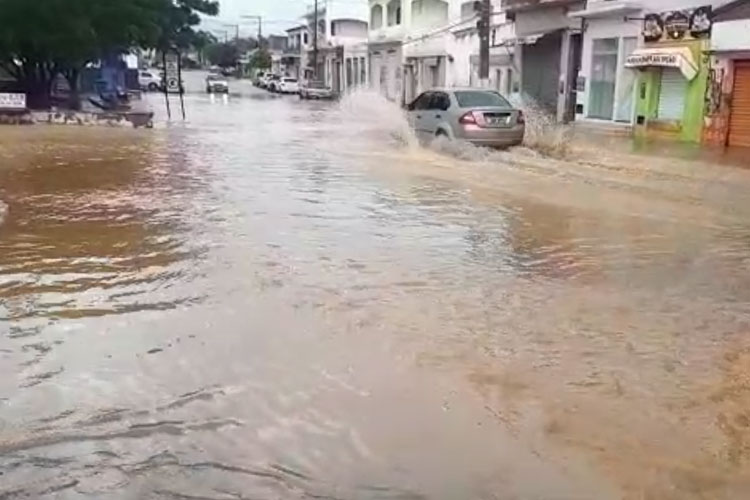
column 547, row 52
column 606, row 88
column 389, row 23
column 341, row 58
column 345, row 54
column 420, row 44
column 503, row 74
column 297, row 45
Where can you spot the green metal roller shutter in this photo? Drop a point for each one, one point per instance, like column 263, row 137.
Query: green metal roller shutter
column 672, row 95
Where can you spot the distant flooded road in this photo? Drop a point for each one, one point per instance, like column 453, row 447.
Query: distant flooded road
column 281, row 299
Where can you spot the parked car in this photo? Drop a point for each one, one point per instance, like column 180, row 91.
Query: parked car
column 479, row 116
column 258, row 81
column 216, row 84
column 315, row 90
column 272, row 82
column 149, row 80
column 288, row 86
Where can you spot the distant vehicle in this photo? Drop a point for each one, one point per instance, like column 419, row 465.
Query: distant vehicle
column 263, row 80
column 272, row 83
column 228, row 71
column 479, row 116
column 315, row 90
column 149, row 80
column 287, row 86
column 216, row 84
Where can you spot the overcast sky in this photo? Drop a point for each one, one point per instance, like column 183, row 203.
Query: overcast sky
column 278, row 15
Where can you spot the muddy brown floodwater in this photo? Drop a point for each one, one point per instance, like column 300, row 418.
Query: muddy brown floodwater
column 283, row 299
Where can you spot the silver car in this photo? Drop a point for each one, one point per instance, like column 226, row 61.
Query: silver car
column 315, row 90
column 216, row 84
column 480, row 116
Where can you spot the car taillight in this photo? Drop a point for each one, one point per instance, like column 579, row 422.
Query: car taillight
column 520, row 118
column 468, row 119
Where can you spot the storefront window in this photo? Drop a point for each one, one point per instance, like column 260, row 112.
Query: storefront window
column 603, row 78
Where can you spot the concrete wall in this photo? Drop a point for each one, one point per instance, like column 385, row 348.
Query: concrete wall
column 386, row 70
column 731, row 35
column 349, row 28
column 428, row 13
column 546, row 19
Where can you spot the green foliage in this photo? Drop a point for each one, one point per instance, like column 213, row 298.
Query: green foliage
column 224, row 55
column 42, row 38
column 261, row 59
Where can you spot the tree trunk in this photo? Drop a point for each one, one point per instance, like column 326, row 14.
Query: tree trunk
column 37, row 84
column 72, row 76
column 37, row 94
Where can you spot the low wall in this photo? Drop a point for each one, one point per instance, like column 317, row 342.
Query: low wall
column 79, row 118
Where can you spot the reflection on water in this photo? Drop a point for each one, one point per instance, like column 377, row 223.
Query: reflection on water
column 284, row 299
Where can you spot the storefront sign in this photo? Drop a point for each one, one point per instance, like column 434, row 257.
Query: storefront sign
column 636, row 60
column 653, row 28
column 677, row 24
column 172, row 73
column 672, row 57
column 12, row 101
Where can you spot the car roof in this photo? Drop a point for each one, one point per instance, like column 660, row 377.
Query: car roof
column 460, row 89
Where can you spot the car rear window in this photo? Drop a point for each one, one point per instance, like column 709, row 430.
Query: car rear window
column 480, row 98
column 290, row 80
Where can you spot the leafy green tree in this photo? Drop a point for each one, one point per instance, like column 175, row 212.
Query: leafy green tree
column 40, row 39
column 261, row 59
column 224, row 55
column 201, row 42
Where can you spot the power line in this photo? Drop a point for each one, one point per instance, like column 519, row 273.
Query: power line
column 441, row 30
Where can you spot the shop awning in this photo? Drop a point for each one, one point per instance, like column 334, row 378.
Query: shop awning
column 669, row 57
column 520, row 40
column 607, row 9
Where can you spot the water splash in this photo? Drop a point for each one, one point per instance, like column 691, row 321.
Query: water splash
column 543, row 132
column 367, row 111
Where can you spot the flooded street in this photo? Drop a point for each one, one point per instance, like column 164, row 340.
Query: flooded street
column 281, row 299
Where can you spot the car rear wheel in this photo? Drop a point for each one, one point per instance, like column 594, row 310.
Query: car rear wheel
column 153, row 87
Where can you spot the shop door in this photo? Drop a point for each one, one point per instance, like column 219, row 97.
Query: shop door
column 671, row 95
column 739, row 122
column 603, row 77
column 541, row 71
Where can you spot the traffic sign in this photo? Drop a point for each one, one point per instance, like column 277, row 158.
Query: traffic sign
column 172, row 73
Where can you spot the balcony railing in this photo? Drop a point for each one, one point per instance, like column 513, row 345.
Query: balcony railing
column 293, row 50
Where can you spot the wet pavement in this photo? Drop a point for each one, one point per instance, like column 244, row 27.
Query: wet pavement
column 282, row 299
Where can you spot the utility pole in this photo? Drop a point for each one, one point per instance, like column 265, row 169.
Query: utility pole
column 315, row 41
column 260, row 27
column 484, row 9
column 236, row 31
